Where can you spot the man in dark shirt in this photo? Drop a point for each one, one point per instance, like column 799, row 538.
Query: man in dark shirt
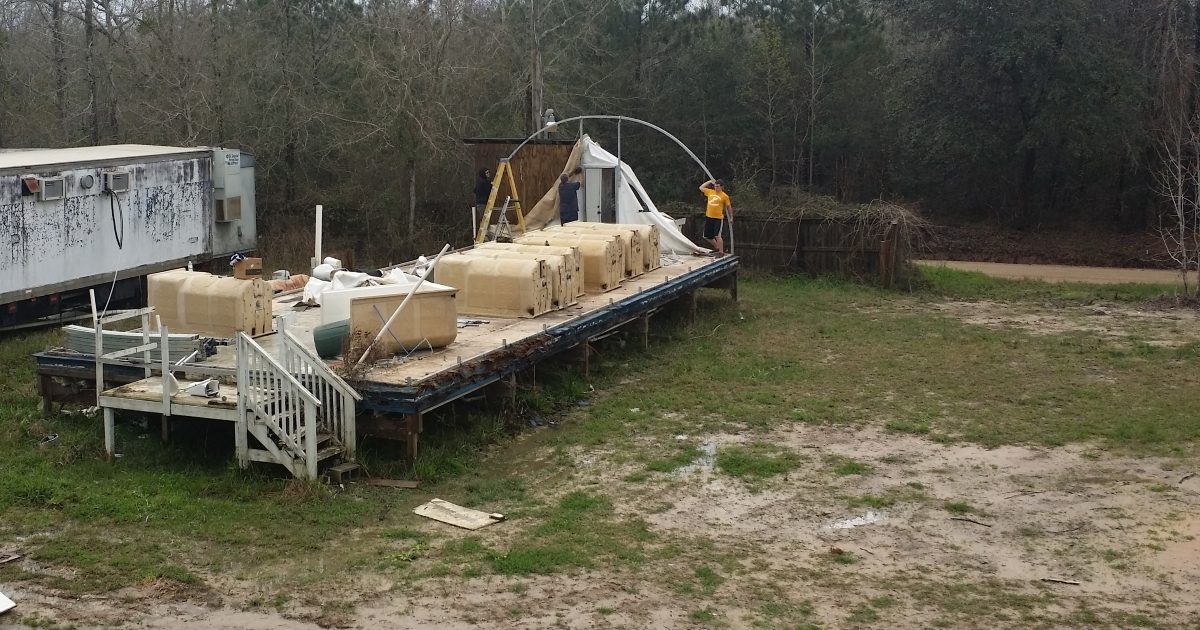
column 483, row 189
column 568, row 198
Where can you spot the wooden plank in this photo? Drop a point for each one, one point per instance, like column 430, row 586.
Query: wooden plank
column 456, row 515
column 108, row 319
column 128, row 351
column 394, row 483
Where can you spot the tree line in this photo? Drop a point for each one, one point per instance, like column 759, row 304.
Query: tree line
column 1027, row 112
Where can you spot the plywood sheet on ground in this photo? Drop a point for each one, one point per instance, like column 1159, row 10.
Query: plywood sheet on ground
column 456, row 515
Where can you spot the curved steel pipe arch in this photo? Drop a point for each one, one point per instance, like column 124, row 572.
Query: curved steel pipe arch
column 620, row 119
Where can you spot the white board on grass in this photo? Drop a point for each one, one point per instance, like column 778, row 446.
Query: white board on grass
column 456, row 515
column 6, row 604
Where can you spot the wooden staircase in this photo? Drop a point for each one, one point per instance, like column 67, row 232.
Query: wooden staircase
column 298, row 411
column 290, row 410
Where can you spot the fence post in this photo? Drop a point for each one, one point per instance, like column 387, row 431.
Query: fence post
column 887, row 257
column 310, row 438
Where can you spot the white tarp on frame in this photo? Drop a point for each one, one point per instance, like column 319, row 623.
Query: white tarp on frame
column 633, row 203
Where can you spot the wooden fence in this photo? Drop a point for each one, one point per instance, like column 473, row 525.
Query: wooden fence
column 814, row 245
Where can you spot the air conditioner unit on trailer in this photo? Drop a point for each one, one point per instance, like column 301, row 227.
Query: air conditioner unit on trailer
column 52, row 189
column 116, row 181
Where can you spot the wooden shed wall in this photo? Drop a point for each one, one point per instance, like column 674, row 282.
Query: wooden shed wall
column 536, row 167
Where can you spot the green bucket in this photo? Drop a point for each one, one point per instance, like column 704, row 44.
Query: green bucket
column 328, row 338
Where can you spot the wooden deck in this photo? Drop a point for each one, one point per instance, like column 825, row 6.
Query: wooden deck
column 474, row 340
column 146, row 395
column 399, row 391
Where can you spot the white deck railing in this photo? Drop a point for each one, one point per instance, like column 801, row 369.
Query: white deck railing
column 279, row 402
column 336, row 415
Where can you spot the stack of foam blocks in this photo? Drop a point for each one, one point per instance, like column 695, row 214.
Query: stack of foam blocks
column 648, row 235
column 497, row 287
column 603, row 256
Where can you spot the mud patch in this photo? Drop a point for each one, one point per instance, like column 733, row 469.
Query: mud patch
column 1154, row 327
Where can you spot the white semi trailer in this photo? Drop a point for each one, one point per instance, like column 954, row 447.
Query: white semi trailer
column 104, row 217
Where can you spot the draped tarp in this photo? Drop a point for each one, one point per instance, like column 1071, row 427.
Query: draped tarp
column 545, row 211
column 633, row 202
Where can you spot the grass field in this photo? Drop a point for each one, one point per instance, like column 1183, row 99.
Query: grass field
column 827, row 396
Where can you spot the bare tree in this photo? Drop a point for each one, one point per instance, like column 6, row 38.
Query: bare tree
column 1177, row 178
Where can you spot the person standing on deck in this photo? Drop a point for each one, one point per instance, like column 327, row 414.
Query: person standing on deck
column 568, row 197
column 483, row 189
column 715, row 212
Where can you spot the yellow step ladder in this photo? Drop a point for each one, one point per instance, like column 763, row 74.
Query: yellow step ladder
column 504, row 174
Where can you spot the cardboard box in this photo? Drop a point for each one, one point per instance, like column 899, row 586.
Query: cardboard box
column 248, row 268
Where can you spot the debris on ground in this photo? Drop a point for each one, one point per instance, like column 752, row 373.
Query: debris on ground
column 406, row 484
column 456, row 515
column 870, row 517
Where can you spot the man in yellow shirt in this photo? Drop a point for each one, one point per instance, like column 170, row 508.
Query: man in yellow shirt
column 715, row 213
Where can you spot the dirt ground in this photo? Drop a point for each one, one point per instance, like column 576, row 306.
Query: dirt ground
column 1064, row 273
column 1122, row 531
column 922, row 534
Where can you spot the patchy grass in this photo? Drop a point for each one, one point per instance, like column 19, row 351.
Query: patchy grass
column 794, row 354
column 709, row 579
column 576, row 533
column 871, row 501
column 960, row 508
column 684, row 456
column 757, row 461
column 844, row 466
column 828, row 352
column 940, row 282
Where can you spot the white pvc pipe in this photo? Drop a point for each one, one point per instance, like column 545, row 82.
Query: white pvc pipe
column 388, row 325
column 317, row 240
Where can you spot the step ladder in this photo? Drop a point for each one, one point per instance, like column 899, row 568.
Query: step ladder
column 504, row 175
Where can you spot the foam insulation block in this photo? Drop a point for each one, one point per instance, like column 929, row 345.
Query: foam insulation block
column 560, row 273
column 631, row 247
column 571, row 255
column 649, row 235
column 496, row 287
column 603, row 259
column 219, row 306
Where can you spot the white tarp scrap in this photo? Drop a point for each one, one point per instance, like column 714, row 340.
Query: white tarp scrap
column 349, row 280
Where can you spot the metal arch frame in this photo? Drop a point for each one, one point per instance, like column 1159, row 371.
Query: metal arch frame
column 619, row 120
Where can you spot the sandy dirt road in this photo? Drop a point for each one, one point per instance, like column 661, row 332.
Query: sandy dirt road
column 1063, row 273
